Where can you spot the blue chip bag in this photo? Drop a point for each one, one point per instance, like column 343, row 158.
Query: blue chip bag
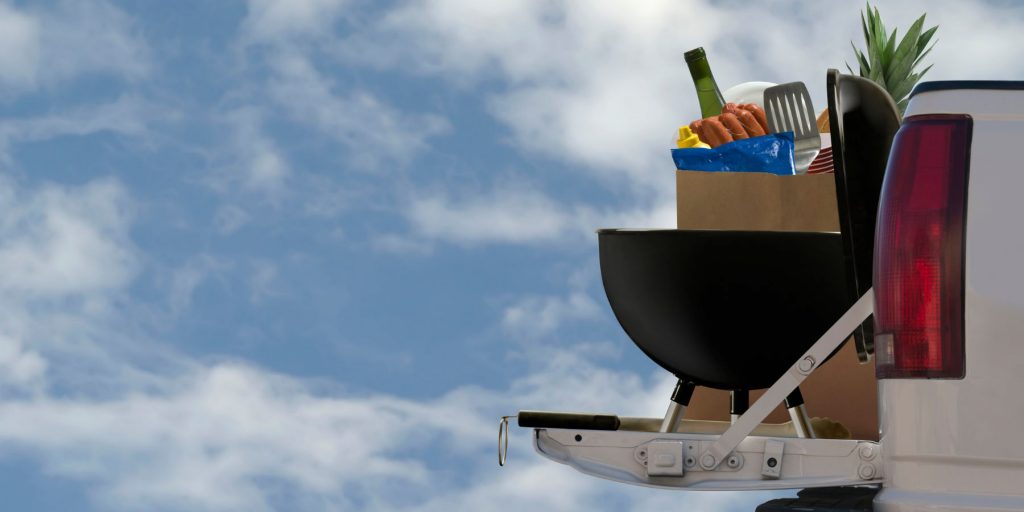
column 768, row 153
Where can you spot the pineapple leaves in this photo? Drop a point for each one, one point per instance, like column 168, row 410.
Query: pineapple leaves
column 925, row 37
column 877, row 41
column 890, row 46
column 879, row 33
column 926, row 52
column 888, row 63
column 902, row 89
column 865, row 68
column 864, row 25
column 906, row 53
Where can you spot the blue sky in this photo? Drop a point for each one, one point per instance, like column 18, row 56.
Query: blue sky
column 301, row 255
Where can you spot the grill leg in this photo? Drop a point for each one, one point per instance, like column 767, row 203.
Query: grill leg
column 739, row 402
column 681, row 396
column 798, row 414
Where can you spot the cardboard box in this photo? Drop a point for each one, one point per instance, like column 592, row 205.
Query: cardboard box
column 756, row 201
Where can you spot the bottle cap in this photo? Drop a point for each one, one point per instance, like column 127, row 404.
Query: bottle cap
column 688, row 139
column 694, row 54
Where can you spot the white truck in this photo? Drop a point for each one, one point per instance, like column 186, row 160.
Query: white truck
column 933, row 251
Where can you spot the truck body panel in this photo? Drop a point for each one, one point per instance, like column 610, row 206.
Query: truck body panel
column 952, row 444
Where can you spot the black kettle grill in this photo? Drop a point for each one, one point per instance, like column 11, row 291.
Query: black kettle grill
column 735, row 309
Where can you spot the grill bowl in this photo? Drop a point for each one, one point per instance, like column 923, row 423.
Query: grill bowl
column 725, row 309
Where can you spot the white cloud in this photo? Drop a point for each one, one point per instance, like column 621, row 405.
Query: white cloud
column 47, row 46
column 497, row 216
column 209, row 440
column 229, row 436
column 367, row 131
column 263, row 281
column 274, row 20
column 144, row 428
column 535, row 316
column 60, row 242
column 516, row 213
column 963, row 52
column 538, row 319
column 20, row 368
column 19, row 46
column 604, row 85
column 372, row 132
column 401, row 244
column 128, row 115
column 589, row 83
column 230, row 218
column 69, row 260
column 266, row 168
column 328, row 198
column 186, row 279
column 177, row 434
column 260, row 277
column 594, row 84
column 252, row 161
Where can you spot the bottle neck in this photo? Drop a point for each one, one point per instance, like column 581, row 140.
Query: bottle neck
column 708, row 94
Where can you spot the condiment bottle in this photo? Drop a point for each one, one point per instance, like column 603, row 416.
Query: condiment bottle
column 688, row 139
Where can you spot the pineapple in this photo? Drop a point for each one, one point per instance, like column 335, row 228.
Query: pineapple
column 890, row 65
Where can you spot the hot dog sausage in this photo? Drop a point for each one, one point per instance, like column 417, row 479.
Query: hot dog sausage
column 716, row 132
column 734, row 126
column 758, row 113
column 749, row 123
column 697, row 127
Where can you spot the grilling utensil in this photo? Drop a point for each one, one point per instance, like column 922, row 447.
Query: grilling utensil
column 789, row 109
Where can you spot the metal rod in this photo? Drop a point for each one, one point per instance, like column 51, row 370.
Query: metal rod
column 672, row 416
column 826, row 344
column 681, row 396
column 801, row 422
column 798, row 414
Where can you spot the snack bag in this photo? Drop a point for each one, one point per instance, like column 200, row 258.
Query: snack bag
column 768, row 153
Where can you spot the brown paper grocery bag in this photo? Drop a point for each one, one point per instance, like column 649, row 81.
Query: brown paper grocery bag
column 756, row 201
column 842, row 389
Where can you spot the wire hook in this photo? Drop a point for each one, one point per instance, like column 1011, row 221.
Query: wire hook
column 503, row 439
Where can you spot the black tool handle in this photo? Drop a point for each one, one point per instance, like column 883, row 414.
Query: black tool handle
column 542, row 419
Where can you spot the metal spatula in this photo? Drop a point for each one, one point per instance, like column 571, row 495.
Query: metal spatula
column 788, row 108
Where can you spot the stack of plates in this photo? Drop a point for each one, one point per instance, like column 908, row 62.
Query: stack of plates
column 823, row 162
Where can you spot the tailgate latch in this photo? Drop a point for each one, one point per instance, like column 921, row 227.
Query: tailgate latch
column 772, row 465
column 663, row 458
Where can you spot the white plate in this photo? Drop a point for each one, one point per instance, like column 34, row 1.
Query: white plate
column 747, row 92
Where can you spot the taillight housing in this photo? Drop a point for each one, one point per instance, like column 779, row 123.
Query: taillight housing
column 919, row 250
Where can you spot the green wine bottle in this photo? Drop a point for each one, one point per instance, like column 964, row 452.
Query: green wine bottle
column 708, row 95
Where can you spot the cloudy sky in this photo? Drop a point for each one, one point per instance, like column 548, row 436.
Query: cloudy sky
column 301, row 255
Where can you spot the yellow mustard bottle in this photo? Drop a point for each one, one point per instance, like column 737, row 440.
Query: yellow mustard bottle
column 688, row 139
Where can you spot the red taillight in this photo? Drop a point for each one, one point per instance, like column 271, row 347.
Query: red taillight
column 919, row 250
